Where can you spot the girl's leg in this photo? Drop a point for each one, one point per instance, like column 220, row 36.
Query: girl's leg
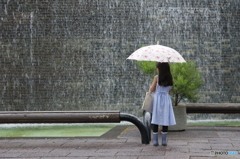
column 155, row 128
column 155, row 135
column 164, row 128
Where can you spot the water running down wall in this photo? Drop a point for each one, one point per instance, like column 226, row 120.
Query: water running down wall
column 71, row 54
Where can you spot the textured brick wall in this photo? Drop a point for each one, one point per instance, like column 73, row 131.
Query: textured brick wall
column 71, row 54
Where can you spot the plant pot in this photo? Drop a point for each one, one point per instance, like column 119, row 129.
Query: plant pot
column 181, row 118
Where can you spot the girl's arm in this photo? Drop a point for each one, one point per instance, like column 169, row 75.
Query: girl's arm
column 154, row 83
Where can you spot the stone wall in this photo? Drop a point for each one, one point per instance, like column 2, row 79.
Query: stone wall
column 71, row 54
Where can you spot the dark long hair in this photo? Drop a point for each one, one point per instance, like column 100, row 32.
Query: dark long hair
column 165, row 76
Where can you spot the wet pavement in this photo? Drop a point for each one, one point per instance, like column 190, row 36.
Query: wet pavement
column 124, row 141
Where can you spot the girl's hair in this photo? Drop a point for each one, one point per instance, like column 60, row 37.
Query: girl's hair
column 165, row 76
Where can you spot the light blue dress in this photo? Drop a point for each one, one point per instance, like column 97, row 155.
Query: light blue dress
column 162, row 113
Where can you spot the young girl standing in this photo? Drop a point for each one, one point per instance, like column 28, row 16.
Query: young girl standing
column 162, row 113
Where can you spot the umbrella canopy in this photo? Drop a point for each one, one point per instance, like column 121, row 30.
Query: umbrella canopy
column 158, row 53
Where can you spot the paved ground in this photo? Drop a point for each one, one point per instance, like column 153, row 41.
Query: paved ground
column 124, row 142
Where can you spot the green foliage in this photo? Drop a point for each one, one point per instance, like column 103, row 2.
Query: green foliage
column 186, row 78
column 187, row 82
column 147, row 67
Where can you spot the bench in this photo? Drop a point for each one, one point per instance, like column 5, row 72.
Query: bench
column 218, row 108
column 7, row 117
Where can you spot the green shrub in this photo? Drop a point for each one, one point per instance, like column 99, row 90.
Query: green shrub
column 147, row 67
column 187, row 82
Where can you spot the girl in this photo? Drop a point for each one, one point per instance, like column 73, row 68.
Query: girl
column 162, row 113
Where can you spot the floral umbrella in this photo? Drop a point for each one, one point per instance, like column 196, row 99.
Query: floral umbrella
column 158, row 53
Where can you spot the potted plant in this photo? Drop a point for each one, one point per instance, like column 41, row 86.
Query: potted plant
column 187, row 82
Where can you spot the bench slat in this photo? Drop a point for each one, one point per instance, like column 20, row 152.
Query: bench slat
column 59, row 117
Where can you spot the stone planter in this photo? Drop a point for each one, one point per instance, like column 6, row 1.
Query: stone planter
column 181, row 118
